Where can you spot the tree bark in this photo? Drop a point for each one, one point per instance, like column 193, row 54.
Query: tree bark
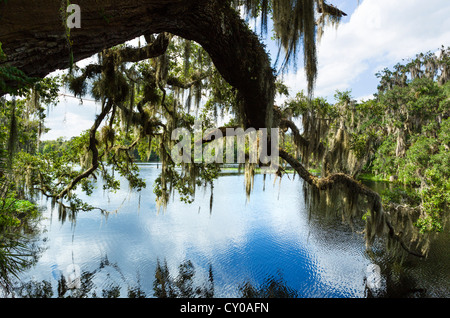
column 33, row 36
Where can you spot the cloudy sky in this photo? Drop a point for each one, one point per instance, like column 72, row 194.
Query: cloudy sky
column 376, row 34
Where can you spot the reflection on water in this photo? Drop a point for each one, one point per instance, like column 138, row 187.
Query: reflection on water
column 270, row 246
column 165, row 285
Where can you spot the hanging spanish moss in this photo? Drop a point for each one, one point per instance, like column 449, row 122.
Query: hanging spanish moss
column 314, row 131
column 249, row 175
column 294, row 21
column 339, row 156
column 187, row 57
column 330, row 16
column 211, row 198
column 13, row 132
column 296, row 24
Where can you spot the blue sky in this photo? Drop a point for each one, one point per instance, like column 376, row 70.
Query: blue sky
column 375, row 34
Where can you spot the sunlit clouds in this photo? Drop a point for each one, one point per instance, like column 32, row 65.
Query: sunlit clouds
column 378, row 34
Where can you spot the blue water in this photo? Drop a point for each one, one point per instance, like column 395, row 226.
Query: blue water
column 271, row 236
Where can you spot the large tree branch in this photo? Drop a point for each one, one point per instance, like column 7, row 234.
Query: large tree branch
column 299, row 168
column 300, row 141
column 129, row 54
column 153, row 49
column 39, row 46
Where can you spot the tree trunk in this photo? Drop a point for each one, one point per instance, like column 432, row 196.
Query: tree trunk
column 33, row 36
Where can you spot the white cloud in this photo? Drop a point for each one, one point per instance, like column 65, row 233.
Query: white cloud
column 365, row 98
column 69, row 118
column 379, row 34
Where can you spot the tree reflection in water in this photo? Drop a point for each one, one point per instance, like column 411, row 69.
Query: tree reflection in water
column 187, row 282
column 183, row 284
column 19, row 251
column 85, row 289
column 272, row 287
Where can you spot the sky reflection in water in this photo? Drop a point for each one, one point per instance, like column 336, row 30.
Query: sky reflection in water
column 270, row 238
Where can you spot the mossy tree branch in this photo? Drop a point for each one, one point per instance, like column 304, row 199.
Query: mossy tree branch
column 91, row 147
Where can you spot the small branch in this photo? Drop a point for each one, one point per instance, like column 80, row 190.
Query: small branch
column 299, row 139
column 151, row 50
column 126, row 148
column 174, row 81
column 92, row 147
column 330, row 9
column 400, row 241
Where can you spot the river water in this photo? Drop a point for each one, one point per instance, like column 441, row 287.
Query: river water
column 268, row 245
